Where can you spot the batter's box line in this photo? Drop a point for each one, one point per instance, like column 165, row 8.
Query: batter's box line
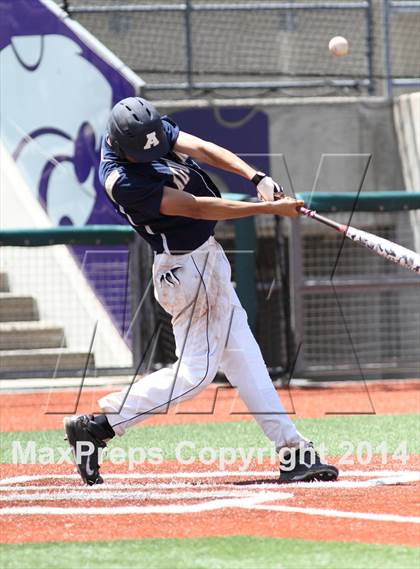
column 197, row 475
column 169, row 509
column 145, row 494
column 143, row 491
column 257, row 501
column 340, row 514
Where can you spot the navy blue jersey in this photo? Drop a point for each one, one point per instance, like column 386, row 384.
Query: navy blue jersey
column 136, row 190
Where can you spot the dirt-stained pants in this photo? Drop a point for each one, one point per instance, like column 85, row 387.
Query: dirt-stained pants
column 211, row 332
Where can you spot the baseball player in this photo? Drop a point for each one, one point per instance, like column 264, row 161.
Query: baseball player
column 150, row 175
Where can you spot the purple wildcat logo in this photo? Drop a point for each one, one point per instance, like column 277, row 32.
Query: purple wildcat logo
column 55, row 105
column 84, row 160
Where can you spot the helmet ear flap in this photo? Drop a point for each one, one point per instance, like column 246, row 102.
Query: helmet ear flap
column 116, row 147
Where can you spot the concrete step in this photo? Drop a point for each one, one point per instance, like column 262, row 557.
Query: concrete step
column 4, row 282
column 17, row 307
column 46, row 360
column 30, row 335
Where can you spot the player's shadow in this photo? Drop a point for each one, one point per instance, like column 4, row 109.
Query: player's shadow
column 256, row 482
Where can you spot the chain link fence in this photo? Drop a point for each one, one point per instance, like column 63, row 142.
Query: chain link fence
column 260, row 48
column 354, row 314
column 66, row 301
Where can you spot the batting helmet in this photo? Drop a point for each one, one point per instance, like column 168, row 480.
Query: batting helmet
column 136, row 130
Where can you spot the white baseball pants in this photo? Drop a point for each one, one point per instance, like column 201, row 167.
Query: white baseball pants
column 211, row 332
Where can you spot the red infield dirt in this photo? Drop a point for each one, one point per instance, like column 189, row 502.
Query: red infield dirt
column 359, row 507
column 375, row 504
column 44, row 410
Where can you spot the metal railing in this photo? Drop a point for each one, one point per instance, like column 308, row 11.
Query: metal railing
column 66, row 300
column 113, row 264
column 197, row 46
column 256, row 62
column 391, row 9
column 354, row 314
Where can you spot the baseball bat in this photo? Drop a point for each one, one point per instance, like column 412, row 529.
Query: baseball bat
column 391, row 251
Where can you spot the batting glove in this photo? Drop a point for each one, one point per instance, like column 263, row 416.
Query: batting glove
column 267, row 189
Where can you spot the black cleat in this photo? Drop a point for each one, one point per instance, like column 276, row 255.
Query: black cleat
column 85, row 446
column 303, row 464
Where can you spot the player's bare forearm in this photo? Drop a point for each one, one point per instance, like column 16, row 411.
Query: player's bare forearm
column 212, row 154
column 175, row 202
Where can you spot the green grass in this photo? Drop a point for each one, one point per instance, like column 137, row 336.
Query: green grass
column 236, row 552
column 331, row 431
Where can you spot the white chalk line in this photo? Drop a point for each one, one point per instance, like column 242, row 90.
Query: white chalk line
column 195, row 475
column 143, row 496
column 55, row 492
column 339, row 514
column 160, row 509
column 253, row 503
column 145, row 476
column 234, row 498
column 115, row 486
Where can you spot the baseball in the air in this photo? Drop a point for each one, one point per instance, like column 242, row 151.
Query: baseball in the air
column 338, row 46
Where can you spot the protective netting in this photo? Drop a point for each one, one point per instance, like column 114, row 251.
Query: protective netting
column 228, row 45
column 59, row 315
column 271, row 317
column 404, row 37
column 371, row 321
column 271, row 322
column 370, row 326
column 53, row 315
column 377, row 329
column 271, row 43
